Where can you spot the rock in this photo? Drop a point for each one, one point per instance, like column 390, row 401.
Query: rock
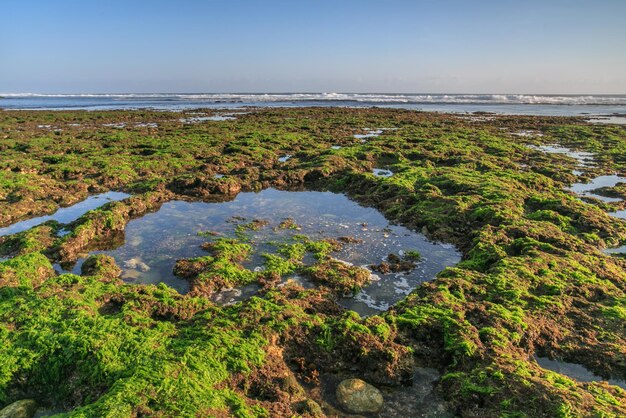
column 24, row 408
column 357, row 396
column 290, row 385
column 136, row 264
column 101, row 265
column 309, row 407
column 130, row 275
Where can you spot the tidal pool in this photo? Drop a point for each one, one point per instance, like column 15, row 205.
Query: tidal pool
column 65, row 215
column 586, row 189
column 584, row 158
column 576, row 371
column 381, row 172
column 371, row 133
column 155, row 241
column 215, row 118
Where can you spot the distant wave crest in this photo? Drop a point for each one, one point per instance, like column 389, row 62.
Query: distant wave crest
column 347, row 97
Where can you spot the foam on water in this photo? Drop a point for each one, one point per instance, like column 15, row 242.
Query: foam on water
column 563, row 105
column 356, row 97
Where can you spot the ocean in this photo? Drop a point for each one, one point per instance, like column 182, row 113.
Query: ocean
column 520, row 104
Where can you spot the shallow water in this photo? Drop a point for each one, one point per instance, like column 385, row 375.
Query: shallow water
column 65, row 215
column 584, row 158
column 586, row 189
column 616, row 120
column 158, row 239
column 198, row 119
column 381, row 172
column 576, row 371
column 371, row 133
column 417, row 400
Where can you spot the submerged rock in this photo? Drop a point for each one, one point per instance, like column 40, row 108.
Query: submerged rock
column 24, row 408
column 136, row 264
column 359, row 397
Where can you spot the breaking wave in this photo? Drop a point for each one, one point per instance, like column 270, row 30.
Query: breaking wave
column 346, row 98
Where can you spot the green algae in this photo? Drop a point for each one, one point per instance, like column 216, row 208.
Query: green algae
column 533, row 276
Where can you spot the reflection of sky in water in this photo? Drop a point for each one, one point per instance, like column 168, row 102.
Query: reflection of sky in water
column 586, row 159
column 586, row 189
column 65, row 215
column 159, row 239
column 576, row 371
column 381, row 172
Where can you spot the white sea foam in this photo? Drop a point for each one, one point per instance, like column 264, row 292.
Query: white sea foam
column 349, row 97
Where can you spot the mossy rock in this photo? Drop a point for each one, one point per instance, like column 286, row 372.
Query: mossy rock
column 24, row 408
column 101, row 265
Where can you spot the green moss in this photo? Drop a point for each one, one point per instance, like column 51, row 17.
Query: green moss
column 532, row 274
column 26, row 271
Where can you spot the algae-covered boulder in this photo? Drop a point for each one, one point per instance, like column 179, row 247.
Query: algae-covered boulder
column 359, row 397
column 102, row 266
column 309, row 407
column 24, row 408
column 339, row 275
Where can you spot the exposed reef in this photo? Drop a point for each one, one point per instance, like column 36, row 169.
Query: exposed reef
column 533, row 280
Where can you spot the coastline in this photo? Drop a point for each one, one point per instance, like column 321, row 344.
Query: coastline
column 533, row 279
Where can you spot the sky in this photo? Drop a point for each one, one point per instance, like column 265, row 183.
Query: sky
column 183, row 46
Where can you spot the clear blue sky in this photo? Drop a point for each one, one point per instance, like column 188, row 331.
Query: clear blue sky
column 499, row 46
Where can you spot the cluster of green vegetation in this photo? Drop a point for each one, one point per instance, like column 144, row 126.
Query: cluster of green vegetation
column 533, row 279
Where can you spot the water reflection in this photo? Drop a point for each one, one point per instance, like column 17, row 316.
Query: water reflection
column 65, row 215
column 155, row 241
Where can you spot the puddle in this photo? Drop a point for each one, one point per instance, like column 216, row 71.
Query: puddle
column 215, row 118
column 65, row 215
column 335, row 147
column 285, row 158
column 584, row 158
column 586, row 189
column 419, row 400
column 371, row 133
column 527, row 133
column 227, row 297
column 379, row 172
column 576, row 371
column 617, row 120
column 616, row 250
column 155, row 241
